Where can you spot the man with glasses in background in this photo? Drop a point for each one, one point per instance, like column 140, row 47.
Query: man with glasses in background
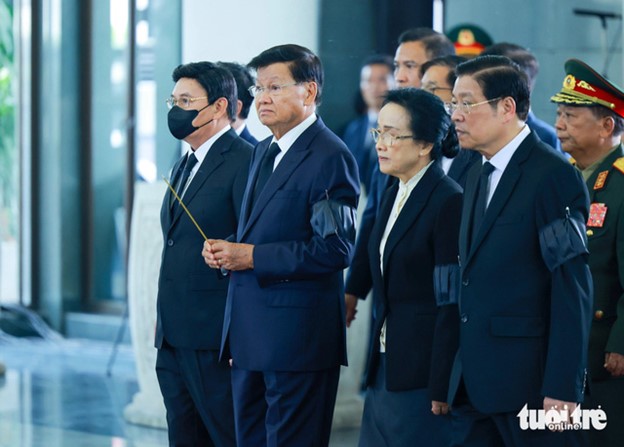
column 438, row 77
column 526, row 292
column 210, row 179
column 284, row 325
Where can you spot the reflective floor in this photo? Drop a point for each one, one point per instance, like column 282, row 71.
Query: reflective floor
column 57, row 394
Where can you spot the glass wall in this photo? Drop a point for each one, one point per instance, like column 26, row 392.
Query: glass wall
column 9, row 160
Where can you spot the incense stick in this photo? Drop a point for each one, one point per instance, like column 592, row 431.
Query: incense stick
column 185, row 208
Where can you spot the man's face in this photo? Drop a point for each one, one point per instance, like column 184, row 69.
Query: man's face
column 375, row 81
column 407, row 61
column 282, row 111
column 434, row 81
column 481, row 127
column 578, row 129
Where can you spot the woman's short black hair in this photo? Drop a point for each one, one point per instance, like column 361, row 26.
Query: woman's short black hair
column 429, row 120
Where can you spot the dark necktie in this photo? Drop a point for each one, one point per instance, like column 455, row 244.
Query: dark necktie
column 265, row 171
column 191, row 160
column 481, row 198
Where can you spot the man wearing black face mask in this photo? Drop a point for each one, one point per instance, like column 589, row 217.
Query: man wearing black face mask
column 211, row 179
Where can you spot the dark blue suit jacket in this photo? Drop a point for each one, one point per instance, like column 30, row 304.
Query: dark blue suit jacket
column 248, row 137
column 355, row 137
column 421, row 338
column 526, row 295
column 287, row 313
column 544, row 131
column 191, row 296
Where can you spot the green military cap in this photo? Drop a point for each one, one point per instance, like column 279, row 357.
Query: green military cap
column 584, row 86
column 469, row 40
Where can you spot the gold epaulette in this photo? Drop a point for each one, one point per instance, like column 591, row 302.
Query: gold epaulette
column 619, row 164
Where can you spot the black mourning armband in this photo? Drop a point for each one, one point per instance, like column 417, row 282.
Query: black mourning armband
column 562, row 240
column 446, row 284
column 332, row 217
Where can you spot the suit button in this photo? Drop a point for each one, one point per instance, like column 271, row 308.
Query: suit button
column 590, row 232
column 170, row 242
column 464, row 318
column 598, row 315
column 465, row 282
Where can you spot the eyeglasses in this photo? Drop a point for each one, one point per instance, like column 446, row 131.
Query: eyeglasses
column 386, row 138
column 466, row 107
column 433, row 89
column 272, row 90
column 183, row 102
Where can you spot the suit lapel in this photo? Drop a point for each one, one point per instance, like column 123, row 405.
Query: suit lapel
column 411, row 210
column 214, row 158
column 165, row 211
column 468, row 209
column 504, row 189
column 378, row 230
column 287, row 165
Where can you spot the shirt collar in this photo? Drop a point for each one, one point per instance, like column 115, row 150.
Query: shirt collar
column 501, row 159
column 289, row 138
column 202, row 151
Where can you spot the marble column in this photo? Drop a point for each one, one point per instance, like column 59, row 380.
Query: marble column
column 146, row 242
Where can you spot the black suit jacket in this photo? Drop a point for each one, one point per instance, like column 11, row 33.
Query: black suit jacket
column 421, row 338
column 461, row 165
column 526, row 291
column 191, row 296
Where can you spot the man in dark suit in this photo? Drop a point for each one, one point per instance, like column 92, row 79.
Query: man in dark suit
column 375, row 81
column 244, row 80
column 211, row 179
column 526, row 291
column 438, row 77
column 284, row 322
column 528, row 62
column 590, row 124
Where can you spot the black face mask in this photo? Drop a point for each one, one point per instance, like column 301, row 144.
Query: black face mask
column 180, row 121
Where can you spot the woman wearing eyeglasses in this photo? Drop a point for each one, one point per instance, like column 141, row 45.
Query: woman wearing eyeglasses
column 413, row 253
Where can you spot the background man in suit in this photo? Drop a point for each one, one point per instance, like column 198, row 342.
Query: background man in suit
column 528, row 62
column 438, row 77
column 375, row 81
column 416, row 46
column 284, row 319
column 191, row 297
column 244, row 80
column 526, row 291
column 591, row 132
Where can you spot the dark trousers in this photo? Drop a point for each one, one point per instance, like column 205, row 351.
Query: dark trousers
column 609, row 396
column 472, row 428
column 197, row 392
column 284, row 408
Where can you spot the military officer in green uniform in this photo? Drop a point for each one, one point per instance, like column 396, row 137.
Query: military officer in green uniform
column 590, row 123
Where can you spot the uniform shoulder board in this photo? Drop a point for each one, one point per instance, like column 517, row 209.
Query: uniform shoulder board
column 619, row 164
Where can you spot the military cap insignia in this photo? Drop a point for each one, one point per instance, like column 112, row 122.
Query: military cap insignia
column 569, row 82
column 597, row 214
column 586, row 86
column 619, row 164
column 600, row 181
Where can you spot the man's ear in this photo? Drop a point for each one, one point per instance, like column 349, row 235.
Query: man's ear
column 220, row 107
column 608, row 126
column 509, row 107
column 239, row 107
column 311, row 92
